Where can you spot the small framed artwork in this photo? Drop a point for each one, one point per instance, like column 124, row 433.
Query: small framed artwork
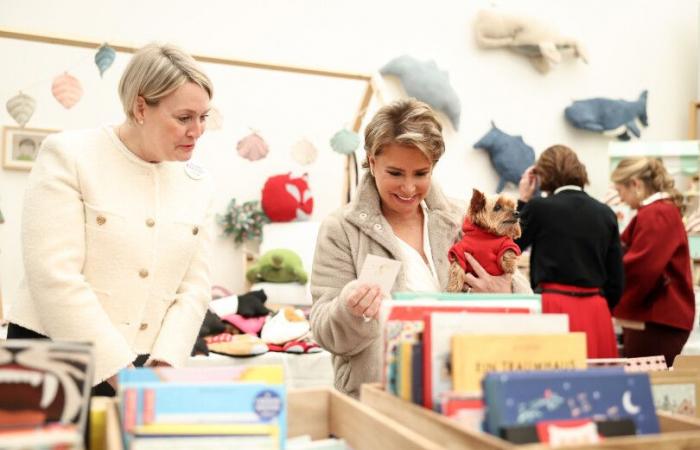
column 20, row 146
column 676, row 391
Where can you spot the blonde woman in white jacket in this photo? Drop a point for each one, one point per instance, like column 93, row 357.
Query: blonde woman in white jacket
column 115, row 227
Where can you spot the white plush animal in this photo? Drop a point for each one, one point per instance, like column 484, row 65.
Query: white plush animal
column 541, row 44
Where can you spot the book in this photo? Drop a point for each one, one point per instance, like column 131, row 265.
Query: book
column 195, row 402
column 441, row 326
column 526, row 398
column 568, row 432
column 45, row 382
column 473, row 355
column 531, row 302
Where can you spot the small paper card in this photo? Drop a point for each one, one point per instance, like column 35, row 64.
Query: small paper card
column 380, row 271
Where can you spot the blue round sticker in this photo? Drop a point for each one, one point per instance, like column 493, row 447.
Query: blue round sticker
column 267, row 405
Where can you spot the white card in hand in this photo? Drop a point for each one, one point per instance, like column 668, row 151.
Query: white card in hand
column 380, row 271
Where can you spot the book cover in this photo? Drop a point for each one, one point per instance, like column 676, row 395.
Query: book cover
column 44, row 382
column 441, row 326
column 417, row 373
column 526, row 398
column 476, row 354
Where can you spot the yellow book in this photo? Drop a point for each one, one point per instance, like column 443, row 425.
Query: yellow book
column 196, row 429
column 475, row 354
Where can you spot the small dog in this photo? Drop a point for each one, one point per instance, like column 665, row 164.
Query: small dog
column 489, row 228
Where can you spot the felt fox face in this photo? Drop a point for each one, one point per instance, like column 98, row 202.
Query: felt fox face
column 495, row 213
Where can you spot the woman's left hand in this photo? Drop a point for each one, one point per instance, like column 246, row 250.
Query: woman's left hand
column 484, row 281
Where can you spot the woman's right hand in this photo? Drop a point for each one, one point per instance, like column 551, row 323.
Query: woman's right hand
column 364, row 301
column 528, row 184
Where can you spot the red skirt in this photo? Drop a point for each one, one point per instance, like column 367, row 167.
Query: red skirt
column 588, row 313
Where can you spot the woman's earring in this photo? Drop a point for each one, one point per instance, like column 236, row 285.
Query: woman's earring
column 141, row 122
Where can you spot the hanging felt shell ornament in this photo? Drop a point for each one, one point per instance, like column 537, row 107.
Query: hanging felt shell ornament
column 21, row 107
column 304, row 152
column 104, row 58
column 345, row 141
column 67, row 90
column 252, row 147
column 215, row 120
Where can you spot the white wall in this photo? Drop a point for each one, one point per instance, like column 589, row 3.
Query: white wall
column 632, row 44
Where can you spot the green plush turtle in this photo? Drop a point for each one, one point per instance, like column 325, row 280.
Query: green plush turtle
column 278, row 266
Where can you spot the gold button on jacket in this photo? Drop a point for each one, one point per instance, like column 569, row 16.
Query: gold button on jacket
column 100, row 220
column 143, row 273
column 195, row 230
column 150, row 222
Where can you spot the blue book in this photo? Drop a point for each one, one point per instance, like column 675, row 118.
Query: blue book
column 417, row 369
column 525, row 398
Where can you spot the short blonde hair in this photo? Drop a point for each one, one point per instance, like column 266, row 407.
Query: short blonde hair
column 405, row 122
column 651, row 172
column 155, row 71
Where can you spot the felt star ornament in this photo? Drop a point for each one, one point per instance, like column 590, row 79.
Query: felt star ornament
column 426, row 82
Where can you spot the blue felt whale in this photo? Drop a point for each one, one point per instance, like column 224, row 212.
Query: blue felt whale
column 510, row 155
column 615, row 117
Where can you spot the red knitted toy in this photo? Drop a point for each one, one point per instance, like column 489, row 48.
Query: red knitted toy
column 286, row 198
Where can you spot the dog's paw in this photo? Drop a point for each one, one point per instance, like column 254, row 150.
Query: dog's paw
column 509, row 261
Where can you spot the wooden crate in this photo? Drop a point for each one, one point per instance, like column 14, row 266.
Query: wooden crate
column 322, row 412
column 677, row 432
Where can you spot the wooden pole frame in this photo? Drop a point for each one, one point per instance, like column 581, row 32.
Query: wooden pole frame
column 351, row 163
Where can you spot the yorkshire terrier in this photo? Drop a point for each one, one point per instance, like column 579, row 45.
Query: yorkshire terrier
column 489, row 228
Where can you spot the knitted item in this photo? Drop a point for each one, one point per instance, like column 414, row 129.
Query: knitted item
column 236, row 345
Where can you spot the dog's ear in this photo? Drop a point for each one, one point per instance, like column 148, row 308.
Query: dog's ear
column 477, row 204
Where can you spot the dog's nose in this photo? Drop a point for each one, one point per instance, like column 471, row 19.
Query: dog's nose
column 516, row 214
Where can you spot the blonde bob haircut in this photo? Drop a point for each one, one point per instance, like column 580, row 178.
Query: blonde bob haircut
column 155, row 71
column 405, row 122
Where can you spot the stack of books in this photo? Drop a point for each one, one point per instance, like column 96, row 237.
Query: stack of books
column 195, row 408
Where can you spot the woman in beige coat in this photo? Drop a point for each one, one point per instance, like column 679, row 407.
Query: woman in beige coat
column 397, row 213
column 115, row 231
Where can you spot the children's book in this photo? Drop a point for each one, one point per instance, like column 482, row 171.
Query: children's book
column 441, row 326
column 44, row 382
column 473, row 355
column 527, row 398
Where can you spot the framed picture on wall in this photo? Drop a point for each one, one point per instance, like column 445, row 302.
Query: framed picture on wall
column 20, row 146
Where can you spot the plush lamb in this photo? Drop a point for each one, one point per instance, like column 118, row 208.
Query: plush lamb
column 541, row 44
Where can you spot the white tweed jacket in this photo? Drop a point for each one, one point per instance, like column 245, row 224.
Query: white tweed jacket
column 116, row 250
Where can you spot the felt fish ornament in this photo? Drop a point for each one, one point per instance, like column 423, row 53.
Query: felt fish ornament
column 612, row 117
column 426, row 82
column 21, row 107
column 510, row 155
column 67, row 90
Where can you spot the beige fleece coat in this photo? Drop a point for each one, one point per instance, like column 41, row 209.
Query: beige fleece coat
column 115, row 251
column 345, row 239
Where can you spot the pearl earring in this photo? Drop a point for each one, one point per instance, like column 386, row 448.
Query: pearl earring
column 140, row 122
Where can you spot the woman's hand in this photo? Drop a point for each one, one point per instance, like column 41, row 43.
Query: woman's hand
column 484, row 281
column 528, row 184
column 157, row 363
column 364, row 301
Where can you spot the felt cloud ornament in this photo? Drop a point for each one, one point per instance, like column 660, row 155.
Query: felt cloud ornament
column 67, row 90
column 304, row 152
column 510, row 155
column 252, row 147
column 286, row 198
column 612, row 117
column 426, row 82
column 104, row 58
column 544, row 46
column 21, row 107
column 345, row 141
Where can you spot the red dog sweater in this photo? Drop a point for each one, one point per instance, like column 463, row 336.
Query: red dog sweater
column 485, row 247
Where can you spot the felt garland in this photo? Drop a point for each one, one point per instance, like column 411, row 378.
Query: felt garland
column 244, row 222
